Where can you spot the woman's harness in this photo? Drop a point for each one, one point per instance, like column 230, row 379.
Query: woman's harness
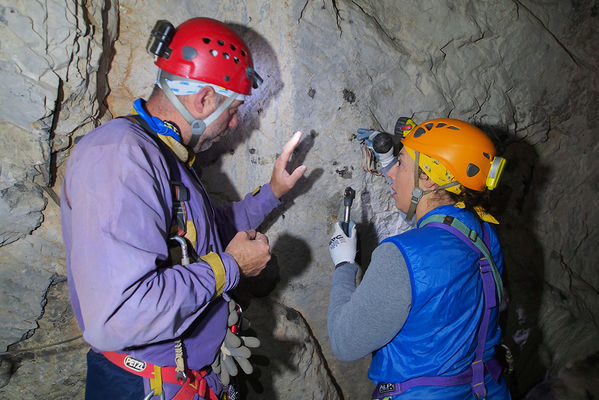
column 492, row 290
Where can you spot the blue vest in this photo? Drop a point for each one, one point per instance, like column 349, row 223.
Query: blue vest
column 439, row 336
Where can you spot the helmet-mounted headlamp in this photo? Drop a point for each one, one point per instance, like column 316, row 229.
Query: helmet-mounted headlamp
column 160, row 39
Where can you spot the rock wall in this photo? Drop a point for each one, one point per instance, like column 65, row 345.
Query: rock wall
column 525, row 71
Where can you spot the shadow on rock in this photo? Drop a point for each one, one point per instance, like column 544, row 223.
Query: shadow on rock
column 288, row 352
column 516, row 206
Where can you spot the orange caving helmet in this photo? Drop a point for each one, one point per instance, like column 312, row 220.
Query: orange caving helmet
column 455, row 151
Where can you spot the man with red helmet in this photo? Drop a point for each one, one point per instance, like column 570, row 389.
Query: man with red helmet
column 149, row 258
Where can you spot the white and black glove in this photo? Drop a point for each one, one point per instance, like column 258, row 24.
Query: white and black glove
column 343, row 248
column 234, row 349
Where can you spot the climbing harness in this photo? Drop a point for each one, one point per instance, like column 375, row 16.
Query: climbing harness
column 492, row 291
column 192, row 382
column 195, row 382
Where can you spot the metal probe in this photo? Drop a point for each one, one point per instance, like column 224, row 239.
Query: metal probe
column 348, row 198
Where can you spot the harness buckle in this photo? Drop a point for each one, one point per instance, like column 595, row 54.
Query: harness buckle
column 472, row 235
column 181, row 377
column 417, row 194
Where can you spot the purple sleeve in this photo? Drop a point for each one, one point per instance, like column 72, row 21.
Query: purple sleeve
column 119, row 207
column 247, row 213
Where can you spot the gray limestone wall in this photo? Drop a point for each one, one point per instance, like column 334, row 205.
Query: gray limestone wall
column 526, row 71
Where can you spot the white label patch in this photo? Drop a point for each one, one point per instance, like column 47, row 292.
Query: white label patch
column 134, row 364
column 386, row 387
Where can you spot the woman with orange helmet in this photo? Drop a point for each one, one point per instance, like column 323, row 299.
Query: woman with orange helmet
column 427, row 306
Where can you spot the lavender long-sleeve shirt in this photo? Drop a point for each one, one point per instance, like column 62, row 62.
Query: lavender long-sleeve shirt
column 116, row 217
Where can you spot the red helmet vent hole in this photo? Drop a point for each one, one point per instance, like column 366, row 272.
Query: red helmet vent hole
column 227, row 78
column 206, row 40
column 220, row 42
column 233, row 47
column 236, row 60
column 214, row 53
column 243, row 53
column 226, row 55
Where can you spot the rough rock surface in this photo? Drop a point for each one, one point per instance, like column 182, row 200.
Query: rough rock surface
column 289, row 362
column 526, row 71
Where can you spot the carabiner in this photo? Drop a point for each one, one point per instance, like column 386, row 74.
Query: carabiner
column 181, row 377
column 151, row 394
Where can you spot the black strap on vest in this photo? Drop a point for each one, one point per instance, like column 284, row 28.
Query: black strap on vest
column 179, row 191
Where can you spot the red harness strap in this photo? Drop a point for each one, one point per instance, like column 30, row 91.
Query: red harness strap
column 194, row 384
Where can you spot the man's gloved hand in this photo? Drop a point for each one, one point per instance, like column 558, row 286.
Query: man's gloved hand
column 343, row 248
column 234, row 349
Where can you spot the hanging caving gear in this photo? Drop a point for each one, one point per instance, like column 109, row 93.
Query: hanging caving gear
column 234, row 349
column 453, row 154
column 153, row 127
column 201, row 52
column 492, row 297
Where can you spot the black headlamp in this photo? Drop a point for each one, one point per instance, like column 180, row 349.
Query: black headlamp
column 160, row 39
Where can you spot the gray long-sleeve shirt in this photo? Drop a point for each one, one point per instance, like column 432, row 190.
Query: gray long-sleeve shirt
column 363, row 319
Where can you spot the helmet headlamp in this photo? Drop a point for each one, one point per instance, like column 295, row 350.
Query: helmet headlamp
column 495, row 172
column 160, row 39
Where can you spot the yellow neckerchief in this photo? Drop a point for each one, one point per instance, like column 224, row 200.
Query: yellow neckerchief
column 482, row 213
column 181, row 152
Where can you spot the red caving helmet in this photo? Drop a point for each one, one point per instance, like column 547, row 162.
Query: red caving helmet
column 207, row 50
